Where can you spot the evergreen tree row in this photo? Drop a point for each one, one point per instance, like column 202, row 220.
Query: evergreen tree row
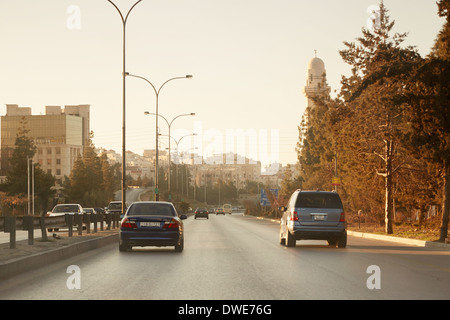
column 387, row 131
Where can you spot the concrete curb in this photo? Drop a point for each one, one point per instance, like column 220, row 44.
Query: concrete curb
column 20, row 265
column 414, row 242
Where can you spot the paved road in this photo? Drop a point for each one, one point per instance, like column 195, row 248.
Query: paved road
column 238, row 257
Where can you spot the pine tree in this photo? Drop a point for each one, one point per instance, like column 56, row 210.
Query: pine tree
column 16, row 177
column 429, row 110
column 92, row 181
column 374, row 94
column 20, row 166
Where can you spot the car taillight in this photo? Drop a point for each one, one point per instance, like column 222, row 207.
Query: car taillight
column 342, row 218
column 128, row 224
column 171, row 224
column 294, row 216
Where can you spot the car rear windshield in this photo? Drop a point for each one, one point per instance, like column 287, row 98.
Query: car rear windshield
column 65, row 208
column 318, row 200
column 151, row 209
column 115, row 205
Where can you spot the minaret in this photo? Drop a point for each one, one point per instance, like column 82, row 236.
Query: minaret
column 316, row 81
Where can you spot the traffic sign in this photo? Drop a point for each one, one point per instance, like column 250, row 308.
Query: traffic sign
column 264, row 201
column 336, row 181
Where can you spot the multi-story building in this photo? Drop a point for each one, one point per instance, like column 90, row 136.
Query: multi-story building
column 239, row 171
column 60, row 136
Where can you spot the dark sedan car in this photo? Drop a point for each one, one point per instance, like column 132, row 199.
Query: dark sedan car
column 201, row 213
column 151, row 223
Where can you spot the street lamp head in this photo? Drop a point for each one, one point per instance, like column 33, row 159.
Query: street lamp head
column 189, row 76
column 192, row 113
column 146, row 112
column 127, row 73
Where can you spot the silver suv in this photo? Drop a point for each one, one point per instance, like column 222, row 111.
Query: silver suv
column 315, row 215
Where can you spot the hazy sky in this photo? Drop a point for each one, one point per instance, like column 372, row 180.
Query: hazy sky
column 248, row 58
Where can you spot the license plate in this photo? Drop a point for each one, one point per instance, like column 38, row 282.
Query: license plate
column 319, row 217
column 150, row 224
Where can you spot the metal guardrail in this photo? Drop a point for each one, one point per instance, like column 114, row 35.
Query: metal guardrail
column 11, row 224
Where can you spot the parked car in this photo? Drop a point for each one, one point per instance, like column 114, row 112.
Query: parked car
column 151, row 223
column 201, row 212
column 220, row 211
column 317, row 215
column 99, row 210
column 63, row 209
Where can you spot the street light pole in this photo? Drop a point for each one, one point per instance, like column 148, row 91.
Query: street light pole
column 178, row 158
column 157, row 91
column 169, row 124
column 124, row 164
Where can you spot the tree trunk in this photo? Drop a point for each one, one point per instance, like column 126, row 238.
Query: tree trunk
column 445, row 204
column 388, row 183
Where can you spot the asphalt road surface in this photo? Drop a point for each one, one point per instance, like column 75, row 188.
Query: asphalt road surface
column 235, row 257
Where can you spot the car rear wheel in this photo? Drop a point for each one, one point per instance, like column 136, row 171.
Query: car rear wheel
column 282, row 240
column 332, row 242
column 342, row 242
column 290, row 240
column 180, row 246
column 124, row 247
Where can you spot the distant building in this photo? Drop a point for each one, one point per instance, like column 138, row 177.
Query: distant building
column 237, row 171
column 60, row 136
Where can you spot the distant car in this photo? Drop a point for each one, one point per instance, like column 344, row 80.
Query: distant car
column 151, row 223
column 99, row 210
column 89, row 210
column 63, row 209
column 220, row 211
column 316, row 215
column 227, row 208
column 201, row 213
column 115, row 207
